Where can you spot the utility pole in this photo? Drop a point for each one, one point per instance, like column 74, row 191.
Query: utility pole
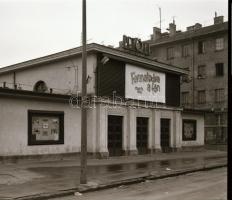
column 83, row 179
column 160, row 16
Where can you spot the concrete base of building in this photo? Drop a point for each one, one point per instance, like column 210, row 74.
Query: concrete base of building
column 157, row 150
column 45, row 157
column 176, row 149
column 102, row 155
column 42, row 157
column 99, row 155
column 193, row 148
column 152, row 151
column 130, row 153
column 168, row 150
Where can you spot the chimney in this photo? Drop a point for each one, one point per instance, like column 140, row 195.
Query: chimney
column 197, row 26
column 194, row 27
column 218, row 19
column 172, row 29
column 121, row 44
column 156, row 33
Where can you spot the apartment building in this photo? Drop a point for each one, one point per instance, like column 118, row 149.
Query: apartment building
column 204, row 52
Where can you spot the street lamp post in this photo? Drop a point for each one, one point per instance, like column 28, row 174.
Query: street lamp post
column 83, row 179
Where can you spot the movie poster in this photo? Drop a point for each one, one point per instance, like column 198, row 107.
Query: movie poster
column 45, row 128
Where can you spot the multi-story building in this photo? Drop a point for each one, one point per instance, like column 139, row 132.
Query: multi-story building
column 204, row 52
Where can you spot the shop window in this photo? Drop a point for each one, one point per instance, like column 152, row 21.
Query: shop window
column 189, row 130
column 219, row 95
column 185, row 50
column 219, row 69
column 201, row 97
column 40, row 86
column 201, row 71
column 219, row 44
column 170, row 53
column 201, row 47
column 185, row 98
column 45, row 127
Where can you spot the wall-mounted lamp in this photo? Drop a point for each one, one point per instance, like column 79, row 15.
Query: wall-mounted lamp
column 88, row 78
column 104, row 60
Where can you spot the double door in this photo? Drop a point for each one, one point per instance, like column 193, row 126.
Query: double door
column 115, row 135
column 142, row 135
column 165, row 135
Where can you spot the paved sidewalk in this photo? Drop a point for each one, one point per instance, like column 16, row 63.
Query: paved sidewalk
column 38, row 180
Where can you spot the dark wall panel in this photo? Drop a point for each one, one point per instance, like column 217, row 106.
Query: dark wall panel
column 111, row 77
column 172, row 90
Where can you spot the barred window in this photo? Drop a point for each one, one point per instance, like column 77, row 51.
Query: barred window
column 185, row 97
column 170, row 53
column 201, row 97
column 201, row 47
column 219, row 69
column 201, row 71
column 219, row 95
column 185, row 50
column 219, row 44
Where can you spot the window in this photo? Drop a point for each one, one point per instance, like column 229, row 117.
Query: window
column 201, row 71
column 185, row 50
column 219, row 44
column 185, row 97
column 40, row 86
column 201, row 97
column 201, row 47
column 170, row 53
column 189, row 130
column 219, row 95
column 219, row 69
column 45, row 127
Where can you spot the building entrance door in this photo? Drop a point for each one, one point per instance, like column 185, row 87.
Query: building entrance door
column 142, row 135
column 165, row 135
column 115, row 135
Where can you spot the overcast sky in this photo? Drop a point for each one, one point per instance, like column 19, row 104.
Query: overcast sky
column 34, row 28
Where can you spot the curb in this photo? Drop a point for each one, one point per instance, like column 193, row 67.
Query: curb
column 85, row 189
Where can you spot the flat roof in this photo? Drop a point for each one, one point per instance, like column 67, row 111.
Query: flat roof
column 7, row 92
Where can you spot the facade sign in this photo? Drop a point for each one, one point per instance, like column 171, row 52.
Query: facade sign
column 144, row 84
column 136, row 45
column 189, row 130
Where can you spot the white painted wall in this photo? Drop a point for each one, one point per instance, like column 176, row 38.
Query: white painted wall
column 199, row 128
column 14, row 127
column 59, row 75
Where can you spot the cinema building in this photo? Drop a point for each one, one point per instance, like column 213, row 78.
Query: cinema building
column 133, row 105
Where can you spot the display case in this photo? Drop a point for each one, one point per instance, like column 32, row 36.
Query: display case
column 45, row 127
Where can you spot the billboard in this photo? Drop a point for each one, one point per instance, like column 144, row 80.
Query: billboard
column 144, row 84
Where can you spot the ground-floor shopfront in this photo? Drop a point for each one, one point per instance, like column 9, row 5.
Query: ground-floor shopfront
column 216, row 127
column 40, row 126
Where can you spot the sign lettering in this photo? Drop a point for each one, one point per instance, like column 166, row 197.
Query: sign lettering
column 144, row 84
column 136, row 45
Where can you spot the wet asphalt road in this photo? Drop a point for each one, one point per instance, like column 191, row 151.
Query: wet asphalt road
column 206, row 185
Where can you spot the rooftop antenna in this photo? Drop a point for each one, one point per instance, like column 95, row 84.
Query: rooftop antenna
column 173, row 19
